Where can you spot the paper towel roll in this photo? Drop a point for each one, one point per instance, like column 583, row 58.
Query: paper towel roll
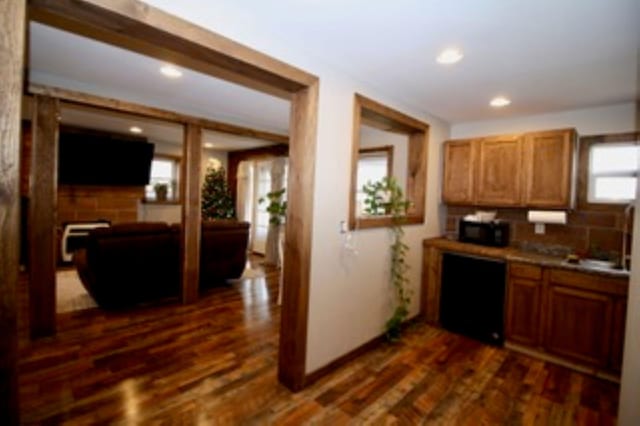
column 547, row 216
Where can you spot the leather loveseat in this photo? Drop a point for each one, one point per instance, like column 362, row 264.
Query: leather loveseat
column 133, row 263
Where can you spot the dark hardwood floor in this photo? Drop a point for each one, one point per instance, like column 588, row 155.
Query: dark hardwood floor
column 214, row 362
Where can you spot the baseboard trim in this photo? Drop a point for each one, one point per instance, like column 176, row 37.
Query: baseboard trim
column 316, row 375
column 593, row 371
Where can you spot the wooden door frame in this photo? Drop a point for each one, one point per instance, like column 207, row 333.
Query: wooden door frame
column 136, row 26
column 12, row 20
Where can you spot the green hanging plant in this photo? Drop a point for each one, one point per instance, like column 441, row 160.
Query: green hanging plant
column 385, row 198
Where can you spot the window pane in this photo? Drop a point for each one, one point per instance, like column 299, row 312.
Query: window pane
column 371, row 169
column 614, row 158
column 162, row 169
column 614, row 188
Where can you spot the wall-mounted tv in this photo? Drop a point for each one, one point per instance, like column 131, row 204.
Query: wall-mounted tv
column 88, row 157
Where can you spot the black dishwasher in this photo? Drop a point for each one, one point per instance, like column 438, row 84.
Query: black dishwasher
column 472, row 297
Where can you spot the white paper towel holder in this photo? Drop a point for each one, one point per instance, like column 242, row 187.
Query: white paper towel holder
column 541, row 217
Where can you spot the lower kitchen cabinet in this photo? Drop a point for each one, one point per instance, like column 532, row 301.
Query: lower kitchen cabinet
column 578, row 324
column 523, row 304
column 617, row 337
column 572, row 315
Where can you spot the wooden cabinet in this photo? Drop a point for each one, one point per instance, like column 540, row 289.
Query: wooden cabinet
column 459, row 170
column 498, row 181
column 617, row 336
column 573, row 315
column 529, row 170
column 524, row 295
column 578, row 324
column 548, row 171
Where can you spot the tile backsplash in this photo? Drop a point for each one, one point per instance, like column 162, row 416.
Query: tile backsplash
column 589, row 233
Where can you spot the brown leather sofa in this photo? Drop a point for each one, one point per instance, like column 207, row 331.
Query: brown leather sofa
column 129, row 264
column 223, row 250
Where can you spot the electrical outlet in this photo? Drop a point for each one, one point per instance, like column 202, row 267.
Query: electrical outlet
column 343, row 227
column 539, row 228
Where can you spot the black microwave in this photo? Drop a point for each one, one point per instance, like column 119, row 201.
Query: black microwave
column 494, row 233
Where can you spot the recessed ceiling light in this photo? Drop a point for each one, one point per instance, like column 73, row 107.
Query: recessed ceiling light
column 208, row 145
column 449, row 56
column 170, row 71
column 500, row 101
column 135, row 129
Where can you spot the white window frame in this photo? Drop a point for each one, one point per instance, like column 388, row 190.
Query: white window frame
column 592, row 176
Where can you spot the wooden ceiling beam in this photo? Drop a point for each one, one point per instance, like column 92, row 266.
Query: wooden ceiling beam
column 85, row 99
column 136, row 26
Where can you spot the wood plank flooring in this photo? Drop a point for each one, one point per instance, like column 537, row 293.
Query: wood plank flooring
column 214, row 362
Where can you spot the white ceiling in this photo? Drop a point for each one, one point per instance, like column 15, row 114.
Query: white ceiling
column 546, row 55
column 61, row 59
column 153, row 130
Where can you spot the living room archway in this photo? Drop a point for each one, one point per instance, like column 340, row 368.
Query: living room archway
column 138, row 27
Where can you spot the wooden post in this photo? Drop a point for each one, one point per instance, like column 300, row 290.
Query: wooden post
column 192, row 155
column 297, row 251
column 42, row 217
column 12, row 22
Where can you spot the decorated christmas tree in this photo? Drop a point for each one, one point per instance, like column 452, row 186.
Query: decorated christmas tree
column 216, row 198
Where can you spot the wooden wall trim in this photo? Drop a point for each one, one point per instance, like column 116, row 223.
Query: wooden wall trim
column 137, row 26
column 417, row 174
column 376, row 114
column 43, row 204
column 299, row 226
column 370, row 112
column 133, row 25
column 73, row 97
column 12, row 22
column 191, row 216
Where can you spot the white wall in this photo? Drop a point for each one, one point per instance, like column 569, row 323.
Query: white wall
column 616, row 118
column 629, row 412
column 350, row 296
column 349, row 299
column 212, row 157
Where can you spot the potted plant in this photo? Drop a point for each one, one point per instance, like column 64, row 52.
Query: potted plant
column 385, row 198
column 277, row 209
column 161, row 190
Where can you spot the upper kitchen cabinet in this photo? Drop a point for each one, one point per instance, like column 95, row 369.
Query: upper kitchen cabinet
column 498, row 171
column 459, row 169
column 548, row 171
column 533, row 169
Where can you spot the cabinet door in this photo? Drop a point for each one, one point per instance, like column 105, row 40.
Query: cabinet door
column 459, row 162
column 548, row 168
column 578, row 324
column 499, row 176
column 617, row 343
column 523, row 311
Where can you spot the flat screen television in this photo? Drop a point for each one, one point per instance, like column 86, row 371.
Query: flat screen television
column 89, row 157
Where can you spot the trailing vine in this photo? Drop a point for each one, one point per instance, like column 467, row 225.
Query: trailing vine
column 385, row 198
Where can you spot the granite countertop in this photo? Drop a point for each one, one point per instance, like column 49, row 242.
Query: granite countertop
column 516, row 255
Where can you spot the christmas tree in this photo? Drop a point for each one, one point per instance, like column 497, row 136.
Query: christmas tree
column 216, row 198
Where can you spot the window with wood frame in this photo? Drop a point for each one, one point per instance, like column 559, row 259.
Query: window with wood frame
column 374, row 164
column 609, row 169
